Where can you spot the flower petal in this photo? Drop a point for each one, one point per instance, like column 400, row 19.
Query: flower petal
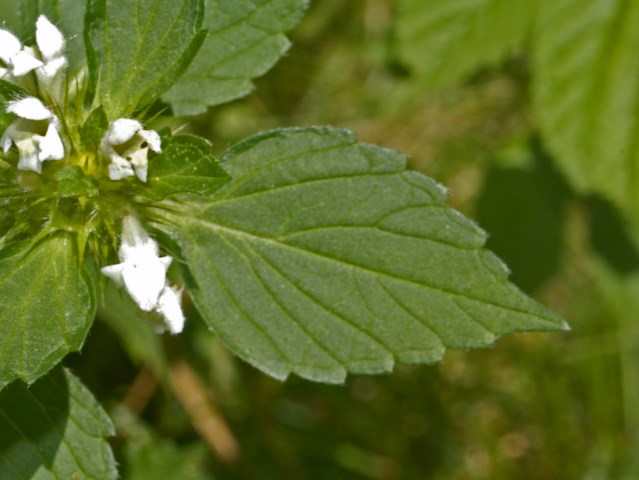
column 51, row 147
column 119, row 168
column 169, row 306
column 49, row 39
column 25, row 62
column 114, row 272
column 28, row 151
column 122, row 130
column 30, row 108
column 144, row 278
column 153, row 139
column 140, row 163
column 9, row 46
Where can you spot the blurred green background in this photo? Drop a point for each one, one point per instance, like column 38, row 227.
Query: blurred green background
column 534, row 406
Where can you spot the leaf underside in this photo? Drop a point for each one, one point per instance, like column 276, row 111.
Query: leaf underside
column 323, row 256
column 54, row 430
column 47, row 308
column 245, row 39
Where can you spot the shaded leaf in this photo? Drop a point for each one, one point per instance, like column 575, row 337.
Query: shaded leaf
column 586, row 93
column 245, row 39
column 139, row 338
column 54, row 429
column 93, row 129
column 138, row 49
column 445, row 41
column 163, row 460
column 186, row 165
column 46, row 306
column 72, row 182
column 323, row 257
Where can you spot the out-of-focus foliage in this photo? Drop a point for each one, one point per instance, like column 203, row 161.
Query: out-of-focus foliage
column 584, row 74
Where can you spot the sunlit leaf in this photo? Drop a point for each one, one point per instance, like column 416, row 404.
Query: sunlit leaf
column 54, row 429
column 137, row 49
column 324, row 257
column 245, row 39
column 46, row 307
column 186, row 165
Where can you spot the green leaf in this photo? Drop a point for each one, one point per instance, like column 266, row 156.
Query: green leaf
column 67, row 15
column 11, row 91
column 93, row 129
column 54, row 430
column 323, row 257
column 186, row 165
column 163, row 460
column 245, row 39
column 586, row 93
column 46, row 306
column 443, row 42
column 137, row 49
column 72, row 182
column 139, row 338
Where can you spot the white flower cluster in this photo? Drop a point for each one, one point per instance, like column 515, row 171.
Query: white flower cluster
column 36, row 131
column 127, row 144
column 36, row 135
column 143, row 274
column 47, row 60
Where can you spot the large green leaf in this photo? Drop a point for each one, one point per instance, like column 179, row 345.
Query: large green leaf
column 139, row 48
column 46, row 307
column 245, row 39
column 54, row 430
column 446, row 40
column 324, row 257
column 587, row 93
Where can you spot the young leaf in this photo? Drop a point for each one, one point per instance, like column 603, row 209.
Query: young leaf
column 93, row 129
column 137, row 49
column 245, row 39
column 46, row 307
column 186, row 165
column 72, row 182
column 323, row 257
column 54, row 429
column 67, row 15
column 445, row 41
column 586, row 93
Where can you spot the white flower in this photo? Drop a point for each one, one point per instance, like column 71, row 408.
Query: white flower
column 127, row 144
column 20, row 60
column 143, row 274
column 170, row 307
column 35, row 133
column 17, row 59
column 51, row 45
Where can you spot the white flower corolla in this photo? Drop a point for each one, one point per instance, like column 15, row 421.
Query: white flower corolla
column 127, row 144
column 35, row 133
column 17, row 59
column 143, row 273
column 51, row 45
column 170, row 307
column 47, row 60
